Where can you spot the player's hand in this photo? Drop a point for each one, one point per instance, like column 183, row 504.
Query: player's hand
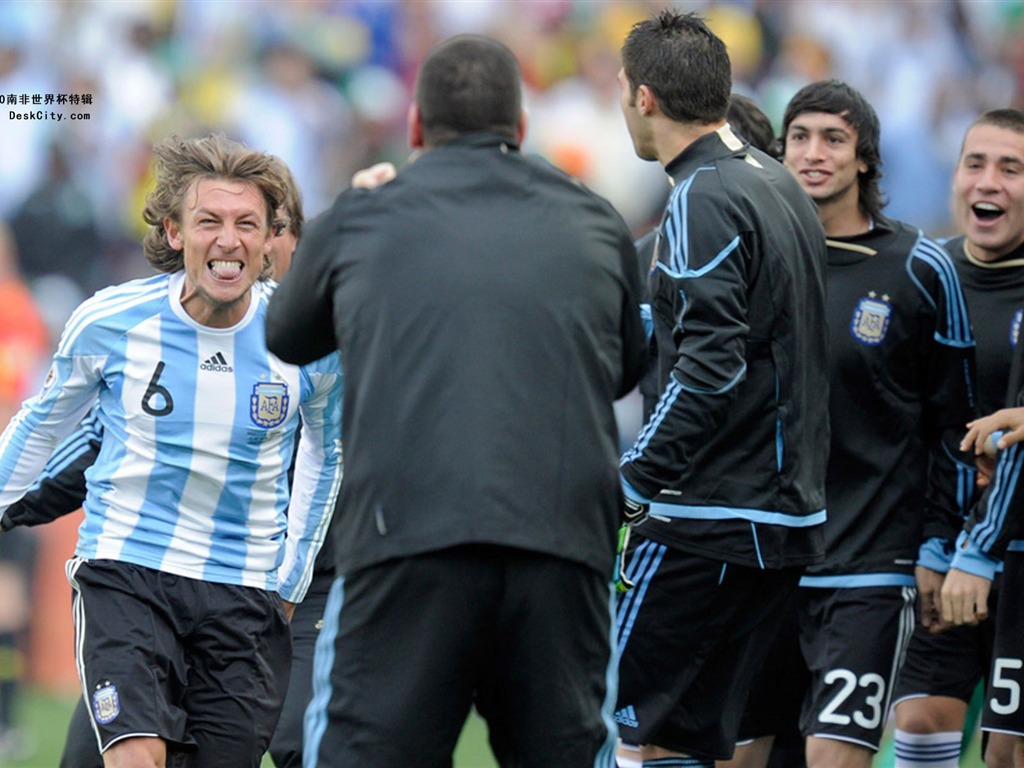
column 986, row 467
column 289, row 610
column 374, row 176
column 633, row 511
column 1008, row 421
column 964, row 598
column 929, row 586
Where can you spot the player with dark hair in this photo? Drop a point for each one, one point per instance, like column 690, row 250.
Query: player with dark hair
column 725, row 485
column 901, row 361
column 750, row 123
column 186, row 552
column 943, row 668
column 837, row 98
column 485, row 305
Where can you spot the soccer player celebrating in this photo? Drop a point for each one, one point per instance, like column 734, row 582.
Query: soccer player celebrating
column 186, row 551
column 943, row 669
column 901, row 383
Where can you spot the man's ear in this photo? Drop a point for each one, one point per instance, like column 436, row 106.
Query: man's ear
column 173, row 234
column 524, row 120
column 646, row 101
column 415, row 127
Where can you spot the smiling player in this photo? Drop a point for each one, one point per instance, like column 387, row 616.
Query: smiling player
column 901, row 359
column 942, row 670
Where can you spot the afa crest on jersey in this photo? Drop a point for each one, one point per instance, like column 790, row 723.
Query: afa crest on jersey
column 106, row 705
column 268, row 404
column 51, row 378
column 871, row 319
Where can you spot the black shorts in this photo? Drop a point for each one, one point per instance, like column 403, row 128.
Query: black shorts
column 779, row 689
column 948, row 663
column 410, row 645
column 202, row 666
column 854, row 641
column 692, row 634
column 1004, row 709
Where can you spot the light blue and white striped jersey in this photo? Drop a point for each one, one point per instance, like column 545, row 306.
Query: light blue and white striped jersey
column 199, row 425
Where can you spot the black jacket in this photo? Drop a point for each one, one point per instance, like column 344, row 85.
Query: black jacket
column 733, row 455
column 486, row 309
column 995, row 295
column 902, row 388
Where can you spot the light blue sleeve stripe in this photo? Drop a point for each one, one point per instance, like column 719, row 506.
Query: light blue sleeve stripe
column 965, row 481
column 665, row 403
column 953, row 342
column 632, row 493
column 694, row 512
column 932, row 555
column 724, row 388
column 957, row 322
column 1007, row 474
column 853, row 580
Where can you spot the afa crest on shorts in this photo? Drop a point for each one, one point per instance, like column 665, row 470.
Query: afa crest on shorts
column 106, row 705
column 870, row 320
column 268, row 404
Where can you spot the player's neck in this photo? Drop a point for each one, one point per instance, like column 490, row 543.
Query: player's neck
column 675, row 137
column 843, row 218
column 212, row 314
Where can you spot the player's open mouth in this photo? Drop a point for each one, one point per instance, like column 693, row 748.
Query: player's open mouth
column 987, row 211
column 226, row 270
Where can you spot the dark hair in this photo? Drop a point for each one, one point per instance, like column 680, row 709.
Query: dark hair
column 752, row 124
column 179, row 163
column 684, row 64
column 1010, row 119
column 469, row 83
column 835, row 97
column 291, row 208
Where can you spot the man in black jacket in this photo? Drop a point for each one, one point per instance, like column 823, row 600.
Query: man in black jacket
column 731, row 462
column 486, row 309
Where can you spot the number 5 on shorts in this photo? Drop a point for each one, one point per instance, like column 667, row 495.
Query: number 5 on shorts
column 1001, row 666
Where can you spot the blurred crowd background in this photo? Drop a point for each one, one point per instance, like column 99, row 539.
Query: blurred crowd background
column 325, row 84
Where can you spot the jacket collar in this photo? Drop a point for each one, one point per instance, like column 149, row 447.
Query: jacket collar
column 480, row 140
column 708, row 148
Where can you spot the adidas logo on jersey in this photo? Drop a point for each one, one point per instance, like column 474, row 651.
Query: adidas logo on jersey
column 627, row 716
column 217, row 363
